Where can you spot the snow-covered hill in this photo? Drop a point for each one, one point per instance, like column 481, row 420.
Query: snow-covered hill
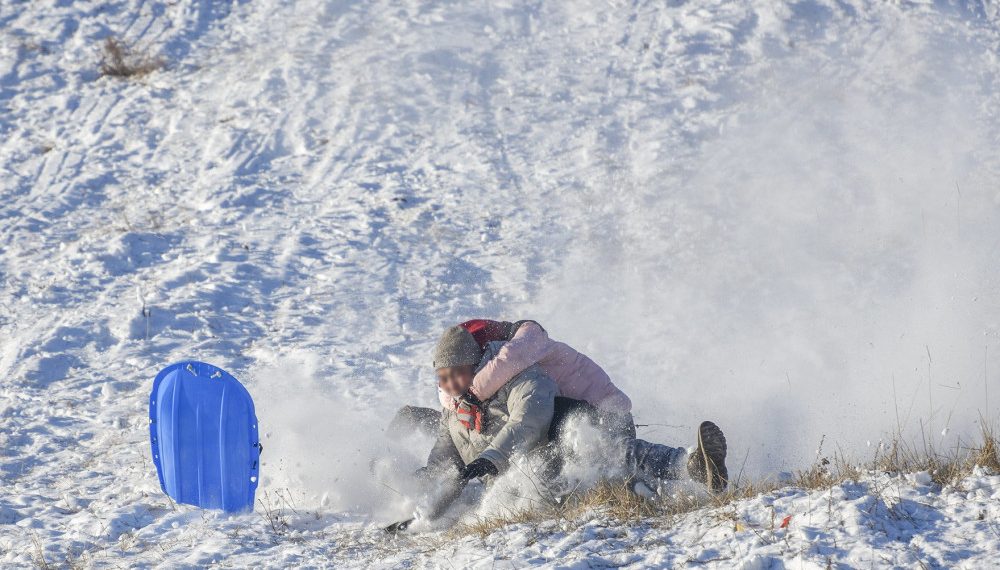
column 784, row 216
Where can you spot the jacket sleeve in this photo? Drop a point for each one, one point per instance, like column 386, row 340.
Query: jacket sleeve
column 529, row 344
column 444, row 453
column 530, row 405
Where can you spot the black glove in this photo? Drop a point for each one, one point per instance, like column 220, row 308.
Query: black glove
column 477, row 469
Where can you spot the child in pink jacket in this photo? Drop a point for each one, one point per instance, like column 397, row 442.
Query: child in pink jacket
column 527, row 343
column 578, row 379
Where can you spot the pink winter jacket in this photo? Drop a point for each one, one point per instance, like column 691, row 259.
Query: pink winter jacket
column 576, row 375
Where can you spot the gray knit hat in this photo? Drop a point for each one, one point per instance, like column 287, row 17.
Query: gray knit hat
column 457, row 347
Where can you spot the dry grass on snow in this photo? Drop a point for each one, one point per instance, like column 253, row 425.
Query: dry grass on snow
column 119, row 59
column 616, row 501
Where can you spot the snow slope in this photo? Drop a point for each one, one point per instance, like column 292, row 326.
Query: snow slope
column 781, row 215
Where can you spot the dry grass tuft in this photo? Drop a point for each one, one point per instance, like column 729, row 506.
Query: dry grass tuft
column 826, row 473
column 944, row 468
column 484, row 527
column 614, row 499
column 121, row 60
column 987, row 455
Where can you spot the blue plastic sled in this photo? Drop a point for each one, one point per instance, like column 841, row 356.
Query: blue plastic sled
column 203, row 430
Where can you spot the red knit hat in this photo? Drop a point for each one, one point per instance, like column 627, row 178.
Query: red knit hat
column 485, row 330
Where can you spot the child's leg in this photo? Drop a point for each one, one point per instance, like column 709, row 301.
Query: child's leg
column 644, row 460
column 413, row 418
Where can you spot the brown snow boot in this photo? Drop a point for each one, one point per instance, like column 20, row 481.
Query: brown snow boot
column 707, row 464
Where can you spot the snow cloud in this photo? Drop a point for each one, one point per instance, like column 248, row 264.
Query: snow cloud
column 828, row 266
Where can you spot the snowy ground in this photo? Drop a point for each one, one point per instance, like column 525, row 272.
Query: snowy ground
column 784, row 216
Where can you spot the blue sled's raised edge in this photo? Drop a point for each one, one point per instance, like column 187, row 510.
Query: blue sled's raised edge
column 204, row 437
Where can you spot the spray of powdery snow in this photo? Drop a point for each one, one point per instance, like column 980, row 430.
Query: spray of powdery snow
column 589, row 456
column 827, row 267
column 325, row 453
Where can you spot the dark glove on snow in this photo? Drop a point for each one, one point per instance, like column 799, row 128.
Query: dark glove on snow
column 477, row 469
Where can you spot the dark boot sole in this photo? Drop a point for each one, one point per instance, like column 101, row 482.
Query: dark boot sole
column 712, row 452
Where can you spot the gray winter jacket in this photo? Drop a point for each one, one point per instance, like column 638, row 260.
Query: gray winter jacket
column 517, row 420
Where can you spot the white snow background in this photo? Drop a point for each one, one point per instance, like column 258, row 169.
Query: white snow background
column 782, row 216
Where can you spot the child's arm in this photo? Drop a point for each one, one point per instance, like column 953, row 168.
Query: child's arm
column 529, row 344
